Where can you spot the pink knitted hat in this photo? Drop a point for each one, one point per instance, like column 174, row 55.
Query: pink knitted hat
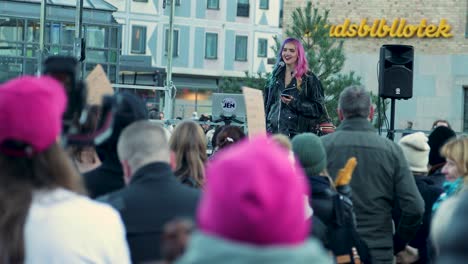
column 31, row 112
column 254, row 195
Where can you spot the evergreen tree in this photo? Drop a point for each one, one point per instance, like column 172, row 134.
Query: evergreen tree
column 234, row 84
column 325, row 56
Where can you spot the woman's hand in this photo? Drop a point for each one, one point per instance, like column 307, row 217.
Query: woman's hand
column 286, row 98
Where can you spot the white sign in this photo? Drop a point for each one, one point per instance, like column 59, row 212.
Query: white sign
column 229, row 105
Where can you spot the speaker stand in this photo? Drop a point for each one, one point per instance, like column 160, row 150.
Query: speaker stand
column 391, row 131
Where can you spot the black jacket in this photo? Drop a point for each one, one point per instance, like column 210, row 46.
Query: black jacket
column 436, row 175
column 322, row 198
column 106, row 178
column 153, row 198
column 302, row 114
column 109, row 176
column 430, row 192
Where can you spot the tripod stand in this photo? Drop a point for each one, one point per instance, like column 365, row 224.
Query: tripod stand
column 391, row 131
column 380, row 109
column 228, row 120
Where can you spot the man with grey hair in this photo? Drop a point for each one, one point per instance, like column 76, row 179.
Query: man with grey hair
column 153, row 196
column 381, row 179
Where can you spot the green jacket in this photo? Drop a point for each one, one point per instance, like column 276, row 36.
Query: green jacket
column 381, row 178
column 207, row 249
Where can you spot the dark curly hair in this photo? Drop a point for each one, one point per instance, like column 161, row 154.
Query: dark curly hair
column 229, row 135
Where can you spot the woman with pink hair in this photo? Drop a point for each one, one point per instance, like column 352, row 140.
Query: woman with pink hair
column 294, row 95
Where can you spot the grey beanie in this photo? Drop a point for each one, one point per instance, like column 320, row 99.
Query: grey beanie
column 309, row 150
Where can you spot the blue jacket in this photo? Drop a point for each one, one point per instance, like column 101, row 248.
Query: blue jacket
column 207, row 249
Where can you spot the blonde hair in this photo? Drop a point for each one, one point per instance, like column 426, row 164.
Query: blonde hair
column 188, row 142
column 457, row 150
column 282, row 140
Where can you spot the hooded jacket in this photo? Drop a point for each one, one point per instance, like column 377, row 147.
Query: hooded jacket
column 108, row 177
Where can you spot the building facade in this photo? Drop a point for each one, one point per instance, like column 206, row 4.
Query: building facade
column 20, row 33
column 440, row 71
column 212, row 39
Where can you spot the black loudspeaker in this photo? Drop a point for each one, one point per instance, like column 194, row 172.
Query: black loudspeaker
column 396, row 71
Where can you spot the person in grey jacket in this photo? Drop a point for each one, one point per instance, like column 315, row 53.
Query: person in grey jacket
column 381, row 178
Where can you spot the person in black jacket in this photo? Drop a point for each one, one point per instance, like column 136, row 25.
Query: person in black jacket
column 294, row 96
column 108, row 176
column 334, row 222
column 153, row 195
column 416, row 151
column 313, row 159
column 438, row 137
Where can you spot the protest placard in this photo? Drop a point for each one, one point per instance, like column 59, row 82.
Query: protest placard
column 255, row 111
column 98, row 85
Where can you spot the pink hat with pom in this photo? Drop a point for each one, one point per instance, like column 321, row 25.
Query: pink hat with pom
column 255, row 195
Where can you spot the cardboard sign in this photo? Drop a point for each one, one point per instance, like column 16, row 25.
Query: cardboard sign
column 255, row 111
column 98, row 86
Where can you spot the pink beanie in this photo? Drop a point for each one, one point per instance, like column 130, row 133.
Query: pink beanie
column 31, row 110
column 254, row 194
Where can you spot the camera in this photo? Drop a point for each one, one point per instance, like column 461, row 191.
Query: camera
column 65, row 70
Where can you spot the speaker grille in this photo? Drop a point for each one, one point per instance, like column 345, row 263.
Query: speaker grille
column 398, row 83
column 396, row 71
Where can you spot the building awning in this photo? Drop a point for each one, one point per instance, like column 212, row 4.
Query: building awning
column 195, row 83
column 138, row 64
column 89, row 4
column 94, row 12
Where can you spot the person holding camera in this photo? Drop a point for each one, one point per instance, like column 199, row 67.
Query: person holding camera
column 44, row 216
column 294, row 97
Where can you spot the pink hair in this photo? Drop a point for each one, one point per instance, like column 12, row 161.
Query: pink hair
column 302, row 65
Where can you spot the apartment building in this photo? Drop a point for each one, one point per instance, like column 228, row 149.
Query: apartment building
column 212, row 39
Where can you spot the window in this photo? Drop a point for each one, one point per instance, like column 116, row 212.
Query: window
column 241, row 48
column 281, row 14
column 263, row 4
column 96, row 37
column 465, row 112
column 11, row 29
column 177, row 2
column 138, row 39
column 466, row 28
column 243, row 8
column 68, row 34
column 262, row 48
column 211, row 46
column 212, row 4
column 142, row 1
column 175, row 46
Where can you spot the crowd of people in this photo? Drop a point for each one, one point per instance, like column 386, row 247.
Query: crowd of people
column 145, row 194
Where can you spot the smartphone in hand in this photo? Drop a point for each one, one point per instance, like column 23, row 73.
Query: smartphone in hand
column 287, row 96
